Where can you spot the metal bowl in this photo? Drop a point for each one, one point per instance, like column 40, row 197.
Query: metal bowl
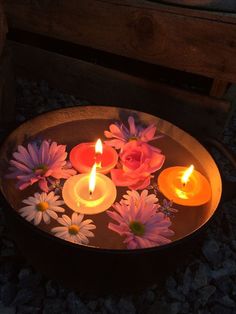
column 105, row 268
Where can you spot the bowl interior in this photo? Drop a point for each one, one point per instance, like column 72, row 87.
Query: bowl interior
column 86, row 124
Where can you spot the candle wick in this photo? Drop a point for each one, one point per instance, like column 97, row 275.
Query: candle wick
column 90, row 194
column 184, row 184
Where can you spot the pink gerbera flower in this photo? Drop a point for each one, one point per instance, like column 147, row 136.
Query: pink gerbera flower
column 140, row 222
column 120, row 134
column 37, row 163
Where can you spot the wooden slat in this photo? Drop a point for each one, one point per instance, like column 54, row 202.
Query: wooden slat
column 3, row 27
column 7, row 89
column 225, row 5
column 138, row 29
column 218, row 88
column 109, row 87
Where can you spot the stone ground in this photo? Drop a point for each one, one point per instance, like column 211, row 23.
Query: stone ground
column 205, row 285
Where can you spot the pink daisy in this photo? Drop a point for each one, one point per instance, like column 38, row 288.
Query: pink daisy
column 120, row 134
column 140, row 222
column 37, row 163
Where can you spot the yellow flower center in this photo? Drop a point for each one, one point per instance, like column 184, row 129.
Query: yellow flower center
column 137, row 228
column 74, row 229
column 41, row 169
column 133, row 138
column 42, row 206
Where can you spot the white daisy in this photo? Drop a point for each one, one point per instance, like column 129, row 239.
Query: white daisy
column 74, row 229
column 42, row 206
column 143, row 197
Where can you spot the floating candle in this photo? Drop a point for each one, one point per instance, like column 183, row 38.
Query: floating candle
column 184, row 186
column 89, row 193
column 84, row 155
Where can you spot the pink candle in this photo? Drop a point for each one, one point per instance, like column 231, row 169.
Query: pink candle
column 84, row 155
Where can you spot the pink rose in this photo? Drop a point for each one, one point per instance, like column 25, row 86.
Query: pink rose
column 138, row 160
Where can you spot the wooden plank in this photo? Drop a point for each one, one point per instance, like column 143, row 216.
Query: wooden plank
column 7, row 89
column 138, row 29
column 3, row 27
column 225, row 6
column 109, row 87
column 218, row 88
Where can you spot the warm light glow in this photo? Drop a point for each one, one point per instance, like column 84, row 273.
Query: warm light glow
column 181, row 194
column 98, row 147
column 92, row 179
column 187, row 174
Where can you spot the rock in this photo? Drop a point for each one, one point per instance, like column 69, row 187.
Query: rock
column 185, row 308
column 8, row 251
column 75, row 305
column 150, row 296
column 187, row 281
column 38, row 296
column 170, row 283
column 24, row 274
column 225, row 285
column 176, row 295
column 8, row 292
column 205, row 293
column 28, row 309
column 219, row 274
column 201, row 277
column 159, row 307
column 220, row 309
column 230, row 265
column 233, row 245
column 23, row 296
column 54, row 306
column 8, row 243
column 227, row 301
column 175, row 308
column 211, row 251
column 51, row 289
column 126, row 306
column 7, row 309
column 27, row 279
column 110, row 305
column 92, row 305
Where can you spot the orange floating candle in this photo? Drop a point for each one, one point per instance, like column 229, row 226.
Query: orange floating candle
column 84, row 155
column 89, row 193
column 184, row 186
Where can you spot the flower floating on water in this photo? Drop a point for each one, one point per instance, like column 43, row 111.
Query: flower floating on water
column 143, row 197
column 140, row 223
column 42, row 207
column 137, row 161
column 119, row 134
column 74, row 229
column 37, row 163
column 167, row 209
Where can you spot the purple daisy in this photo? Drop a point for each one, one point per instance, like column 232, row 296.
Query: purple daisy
column 119, row 134
column 140, row 223
column 37, row 163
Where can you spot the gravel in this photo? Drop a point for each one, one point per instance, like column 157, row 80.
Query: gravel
column 205, row 284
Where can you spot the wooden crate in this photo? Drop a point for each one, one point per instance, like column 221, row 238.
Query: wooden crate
column 183, row 39
column 105, row 86
column 196, row 41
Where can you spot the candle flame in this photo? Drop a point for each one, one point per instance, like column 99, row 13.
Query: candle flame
column 187, row 174
column 98, row 147
column 92, row 179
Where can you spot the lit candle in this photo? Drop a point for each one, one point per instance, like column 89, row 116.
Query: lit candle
column 184, row 186
column 89, row 193
column 84, row 155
